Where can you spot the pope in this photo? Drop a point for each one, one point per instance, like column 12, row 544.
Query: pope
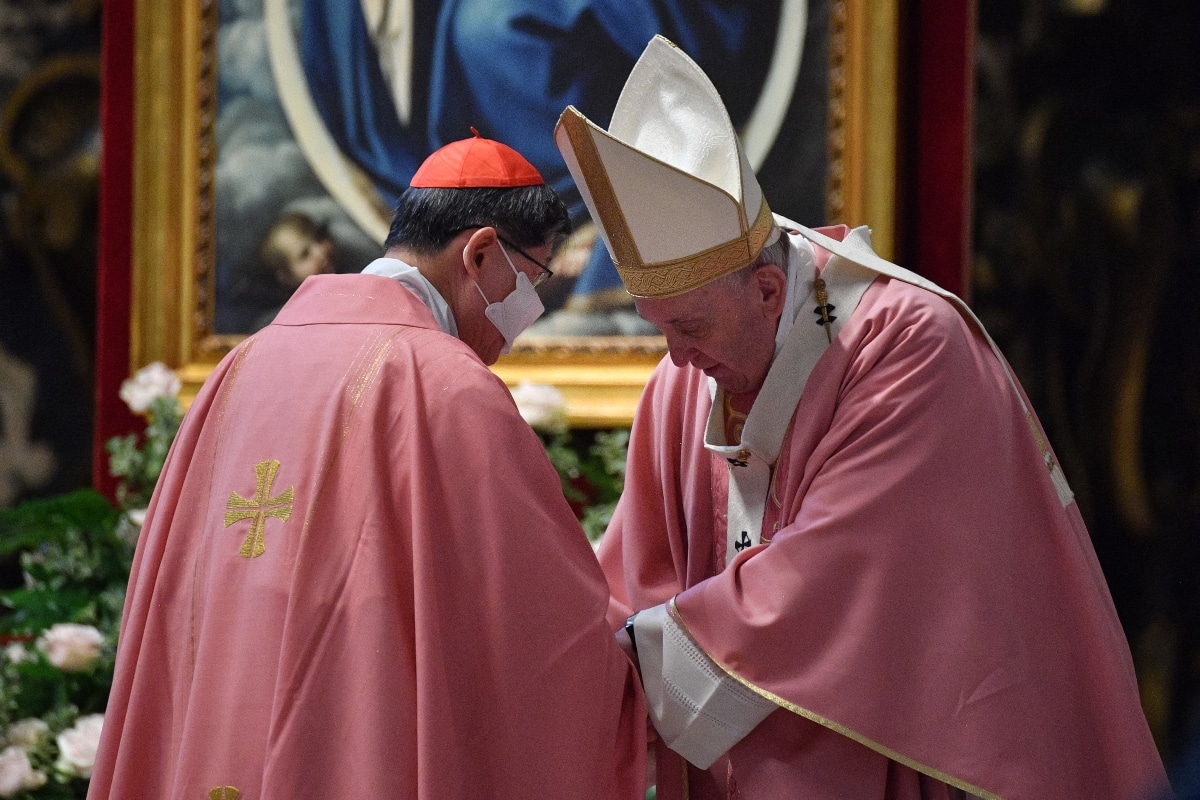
column 848, row 559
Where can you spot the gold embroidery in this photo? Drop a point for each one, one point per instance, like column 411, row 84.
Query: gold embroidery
column 662, row 278
column 612, row 219
column 670, row 278
column 735, row 422
column 828, row 723
column 224, row 793
column 772, row 493
column 261, row 506
column 1061, row 487
column 1041, row 440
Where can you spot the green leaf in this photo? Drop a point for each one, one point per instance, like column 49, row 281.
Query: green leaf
column 33, row 522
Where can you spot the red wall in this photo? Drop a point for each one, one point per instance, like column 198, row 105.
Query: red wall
column 116, row 213
column 936, row 98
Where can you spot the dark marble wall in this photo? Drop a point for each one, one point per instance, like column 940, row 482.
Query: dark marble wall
column 49, row 148
column 1086, row 251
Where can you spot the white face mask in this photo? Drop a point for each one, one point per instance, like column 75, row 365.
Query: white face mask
column 518, row 310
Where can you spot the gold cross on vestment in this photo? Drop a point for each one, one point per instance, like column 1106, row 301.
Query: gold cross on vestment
column 259, row 508
column 224, row 793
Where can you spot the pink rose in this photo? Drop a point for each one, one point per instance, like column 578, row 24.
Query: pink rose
column 77, row 746
column 16, row 773
column 71, row 647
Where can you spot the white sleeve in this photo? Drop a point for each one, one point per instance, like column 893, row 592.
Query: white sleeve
column 699, row 710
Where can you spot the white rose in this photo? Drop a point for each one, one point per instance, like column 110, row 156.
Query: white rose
column 150, row 382
column 71, row 647
column 129, row 528
column 542, row 406
column 77, row 746
column 16, row 773
column 27, row 733
column 16, row 653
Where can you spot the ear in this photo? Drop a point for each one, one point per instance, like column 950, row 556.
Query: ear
column 770, row 282
column 477, row 245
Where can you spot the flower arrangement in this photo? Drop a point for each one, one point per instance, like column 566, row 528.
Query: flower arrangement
column 154, row 393
column 590, row 464
column 58, row 631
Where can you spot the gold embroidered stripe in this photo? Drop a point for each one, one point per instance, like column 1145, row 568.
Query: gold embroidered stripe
column 662, row 278
column 833, row 726
column 670, row 278
column 612, row 218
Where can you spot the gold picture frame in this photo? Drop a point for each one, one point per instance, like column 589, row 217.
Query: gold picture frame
column 601, row 377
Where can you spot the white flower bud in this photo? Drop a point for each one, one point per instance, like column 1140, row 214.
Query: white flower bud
column 16, row 653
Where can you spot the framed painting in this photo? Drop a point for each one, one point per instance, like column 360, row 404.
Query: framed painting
column 308, row 117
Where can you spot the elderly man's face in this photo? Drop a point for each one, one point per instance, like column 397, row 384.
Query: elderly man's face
column 726, row 329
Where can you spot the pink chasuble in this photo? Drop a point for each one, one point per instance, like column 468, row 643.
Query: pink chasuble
column 358, row 578
column 925, row 611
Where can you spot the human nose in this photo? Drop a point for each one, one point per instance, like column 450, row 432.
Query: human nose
column 681, row 354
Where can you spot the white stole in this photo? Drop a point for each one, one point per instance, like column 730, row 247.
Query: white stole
column 752, row 461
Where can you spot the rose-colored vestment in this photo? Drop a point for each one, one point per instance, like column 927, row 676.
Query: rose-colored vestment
column 930, row 616
column 359, row 578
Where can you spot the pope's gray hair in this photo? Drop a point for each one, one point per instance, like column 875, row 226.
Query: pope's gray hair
column 776, row 253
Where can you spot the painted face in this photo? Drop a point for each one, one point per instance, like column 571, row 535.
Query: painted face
column 305, row 254
column 724, row 329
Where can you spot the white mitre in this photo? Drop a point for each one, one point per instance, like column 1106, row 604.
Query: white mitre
column 674, row 196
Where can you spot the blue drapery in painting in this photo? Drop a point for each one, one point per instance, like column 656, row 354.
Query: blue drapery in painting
column 509, row 68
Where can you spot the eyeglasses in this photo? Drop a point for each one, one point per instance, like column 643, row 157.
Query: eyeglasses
column 542, row 276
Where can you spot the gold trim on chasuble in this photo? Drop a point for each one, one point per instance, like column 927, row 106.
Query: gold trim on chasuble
column 361, row 377
column 662, row 278
column 224, row 793
column 259, row 507
column 833, row 726
column 1057, row 476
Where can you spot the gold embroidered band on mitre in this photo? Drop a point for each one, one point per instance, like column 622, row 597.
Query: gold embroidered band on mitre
column 662, row 278
column 669, row 278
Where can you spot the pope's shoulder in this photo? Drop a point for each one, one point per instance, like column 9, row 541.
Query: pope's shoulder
column 909, row 310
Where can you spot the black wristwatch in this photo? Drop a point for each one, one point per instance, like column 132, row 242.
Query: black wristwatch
column 629, row 631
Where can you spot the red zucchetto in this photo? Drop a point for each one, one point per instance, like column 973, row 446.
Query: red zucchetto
column 475, row 163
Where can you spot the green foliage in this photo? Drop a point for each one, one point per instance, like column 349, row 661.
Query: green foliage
column 605, row 471
column 74, row 565
column 591, row 467
column 138, row 460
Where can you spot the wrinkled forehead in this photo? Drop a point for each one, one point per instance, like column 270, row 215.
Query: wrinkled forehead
column 699, row 303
